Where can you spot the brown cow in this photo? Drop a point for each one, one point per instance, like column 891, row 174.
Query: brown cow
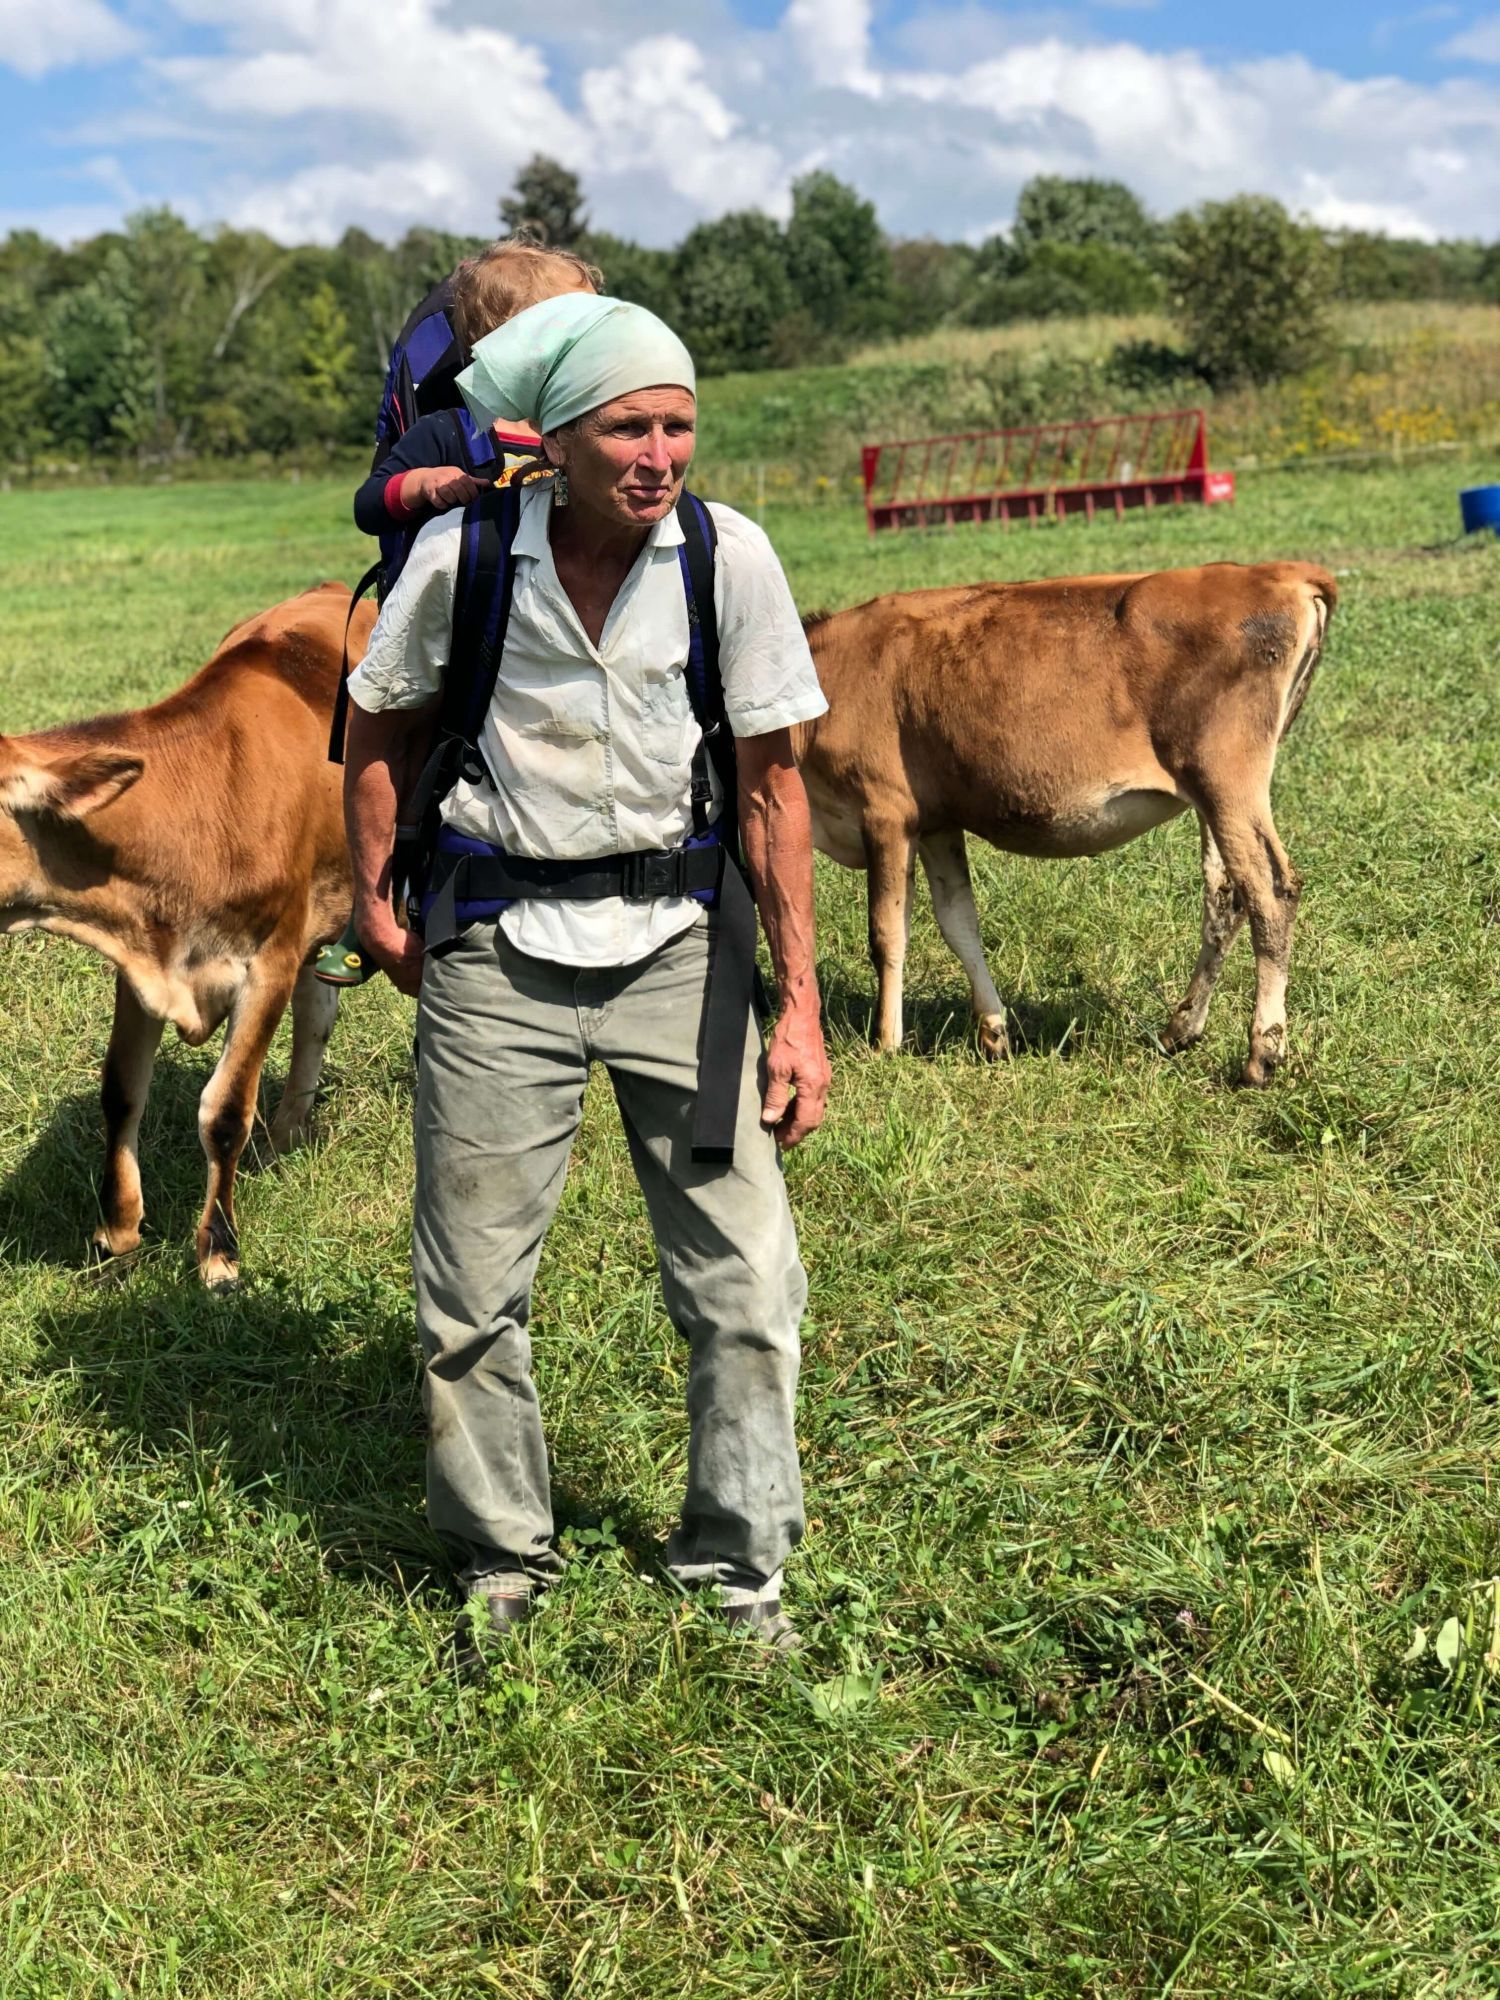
column 1064, row 718
column 199, row 845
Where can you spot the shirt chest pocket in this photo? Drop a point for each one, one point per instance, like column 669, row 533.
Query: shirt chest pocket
column 666, row 717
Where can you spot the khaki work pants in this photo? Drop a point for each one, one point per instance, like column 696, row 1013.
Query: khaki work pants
column 505, row 1043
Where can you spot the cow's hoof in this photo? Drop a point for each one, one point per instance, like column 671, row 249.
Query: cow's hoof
column 289, row 1136
column 1177, row 1037
column 219, row 1273
column 1257, row 1074
column 1267, row 1053
column 994, row 1043
column 115, row 1241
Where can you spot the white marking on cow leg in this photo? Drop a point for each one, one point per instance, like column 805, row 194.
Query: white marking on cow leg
column 945, row 862
column 128, row 1063
column 1223, row 914
column 890, row 861
column 315, row 1006
column 1270, row 888
column 225, row 1111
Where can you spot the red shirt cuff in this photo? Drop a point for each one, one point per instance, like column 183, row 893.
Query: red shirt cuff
column 392, row 497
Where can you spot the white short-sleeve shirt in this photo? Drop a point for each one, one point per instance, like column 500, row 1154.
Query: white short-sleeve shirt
column 591, row 747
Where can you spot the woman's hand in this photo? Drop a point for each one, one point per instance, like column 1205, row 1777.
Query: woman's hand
column 434, row 489
column 398, row 953
column 797, row 1075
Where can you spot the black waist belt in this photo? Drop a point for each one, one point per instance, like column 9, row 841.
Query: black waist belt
column 639, row 878
column 732, row 988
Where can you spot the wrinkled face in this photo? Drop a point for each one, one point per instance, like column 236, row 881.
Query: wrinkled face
column 626, row 461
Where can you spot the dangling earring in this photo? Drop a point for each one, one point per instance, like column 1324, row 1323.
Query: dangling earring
column 560, row 488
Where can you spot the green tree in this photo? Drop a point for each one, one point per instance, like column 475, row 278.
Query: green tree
column 547, row 200
column 837, row 257
column 94, row 366
column 1250, row 289
column 161, row 262
column 631, row 271
column 1370, row 266
column 325, row 358
column 930, row 282
column 1058, row 279
column 733, row 290
column 23, row 421
column 1052, row 208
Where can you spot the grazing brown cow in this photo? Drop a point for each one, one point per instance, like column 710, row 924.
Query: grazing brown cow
column 199, row 845
column 1063, row 718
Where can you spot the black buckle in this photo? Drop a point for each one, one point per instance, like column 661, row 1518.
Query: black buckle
column 644, row 877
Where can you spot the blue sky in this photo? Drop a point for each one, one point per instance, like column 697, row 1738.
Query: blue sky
column 303, row 116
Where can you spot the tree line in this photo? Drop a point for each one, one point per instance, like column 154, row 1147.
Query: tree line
column 157, row 341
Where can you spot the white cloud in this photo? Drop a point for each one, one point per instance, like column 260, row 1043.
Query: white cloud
column 1480, row 43
column 830, row 40
column 309, row 117
column 654, row 111
column 407, row 118
column 40, row 35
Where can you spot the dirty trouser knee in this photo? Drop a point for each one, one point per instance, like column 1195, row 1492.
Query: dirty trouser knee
column 506, row 1041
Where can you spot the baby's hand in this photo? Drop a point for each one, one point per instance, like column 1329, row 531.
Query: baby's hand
column 435, row 488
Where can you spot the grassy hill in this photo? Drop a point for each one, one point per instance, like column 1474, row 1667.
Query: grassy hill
column 1402, row 377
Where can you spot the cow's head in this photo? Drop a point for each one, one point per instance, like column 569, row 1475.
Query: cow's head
column 50, row 795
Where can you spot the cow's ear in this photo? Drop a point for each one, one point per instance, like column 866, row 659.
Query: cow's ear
column 72, row 788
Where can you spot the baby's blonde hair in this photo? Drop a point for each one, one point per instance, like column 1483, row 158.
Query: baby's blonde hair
column 510, row 276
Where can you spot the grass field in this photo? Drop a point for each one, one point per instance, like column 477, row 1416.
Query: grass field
column 1145, row 1421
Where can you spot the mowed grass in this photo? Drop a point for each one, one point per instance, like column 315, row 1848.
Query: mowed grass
column 1144, row 1420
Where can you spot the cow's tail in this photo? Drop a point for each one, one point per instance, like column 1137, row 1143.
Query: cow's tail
column 1319, row 594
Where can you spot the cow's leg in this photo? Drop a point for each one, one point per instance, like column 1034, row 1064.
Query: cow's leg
column 315, row 1006
column 890, row 861
column 128, row 1062
column 945, row 862
column 227, row 1107
column 1223, row 913
column 1269, row 888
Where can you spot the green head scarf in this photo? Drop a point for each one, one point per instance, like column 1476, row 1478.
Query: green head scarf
column 570, row 354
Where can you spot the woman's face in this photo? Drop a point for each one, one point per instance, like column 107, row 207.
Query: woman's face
column 626, row 461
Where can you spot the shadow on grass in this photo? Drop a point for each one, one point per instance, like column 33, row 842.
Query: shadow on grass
column 315, row 1401
column 49, row 1204
column 937, row 1023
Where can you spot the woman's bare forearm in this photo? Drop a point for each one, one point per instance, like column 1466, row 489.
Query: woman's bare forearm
column 377, row 763
column 375, row 755
column 776, row 827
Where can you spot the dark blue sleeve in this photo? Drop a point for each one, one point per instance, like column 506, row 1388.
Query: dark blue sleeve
column 432, row 440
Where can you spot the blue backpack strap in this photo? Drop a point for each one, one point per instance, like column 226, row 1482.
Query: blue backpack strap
column 483, row 590
column 476, row 442
column 696, row 556
column 734, row 978
column 341, row 698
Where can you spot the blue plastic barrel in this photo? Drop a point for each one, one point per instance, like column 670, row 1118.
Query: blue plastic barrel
column 1480, row 507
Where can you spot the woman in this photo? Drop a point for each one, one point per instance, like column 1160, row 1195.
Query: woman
column 589, row 748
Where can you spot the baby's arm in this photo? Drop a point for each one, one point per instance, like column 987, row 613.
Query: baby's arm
column 419, row 478
column 432, row 489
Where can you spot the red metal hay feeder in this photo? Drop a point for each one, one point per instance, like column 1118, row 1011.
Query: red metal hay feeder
column 1042, row 471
